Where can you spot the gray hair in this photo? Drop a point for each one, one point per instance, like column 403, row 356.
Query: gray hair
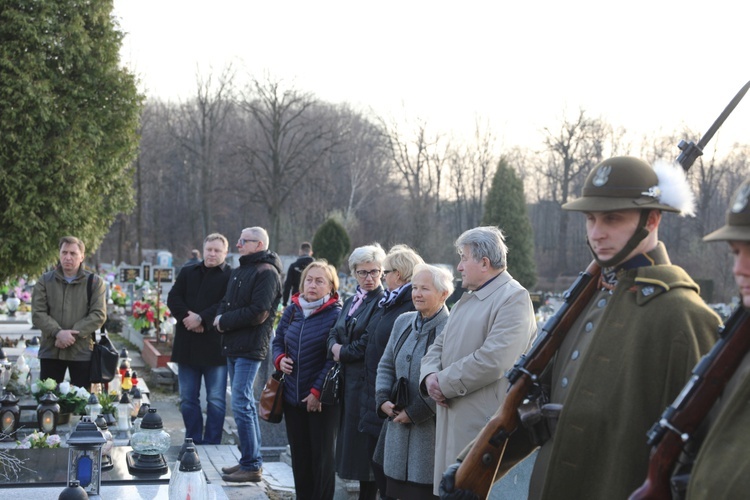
column 259, row 233
column 367, row 253
column 485, row 241
column 441, row 277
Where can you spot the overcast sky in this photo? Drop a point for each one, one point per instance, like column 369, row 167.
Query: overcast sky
column 648, row 66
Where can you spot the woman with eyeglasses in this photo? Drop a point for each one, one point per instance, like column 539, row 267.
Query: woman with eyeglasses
column 397, row 272
column 346, row 343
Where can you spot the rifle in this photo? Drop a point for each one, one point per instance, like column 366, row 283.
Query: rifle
column 678, row 422
column 478, row 469
column 709, row 377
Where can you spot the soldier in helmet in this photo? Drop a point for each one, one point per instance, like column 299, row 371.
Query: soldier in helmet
column 632, row 348
column 722, row 465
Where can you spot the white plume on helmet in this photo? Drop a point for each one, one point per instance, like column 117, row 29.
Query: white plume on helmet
column 673, row 188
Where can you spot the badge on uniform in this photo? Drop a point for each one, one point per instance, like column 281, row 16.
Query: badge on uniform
column 647, row 290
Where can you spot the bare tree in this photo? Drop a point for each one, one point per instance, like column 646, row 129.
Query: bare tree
column 199, row 125
column 290, row 136
column 573, row 150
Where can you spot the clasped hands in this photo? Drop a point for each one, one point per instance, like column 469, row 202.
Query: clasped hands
column 65, row 338
column 396, row 415
column 193, row 322
column 433, row 390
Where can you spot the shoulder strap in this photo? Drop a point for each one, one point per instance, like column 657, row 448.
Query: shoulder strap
column 401, row 340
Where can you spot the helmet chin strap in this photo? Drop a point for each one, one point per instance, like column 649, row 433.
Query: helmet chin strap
column 640, row 234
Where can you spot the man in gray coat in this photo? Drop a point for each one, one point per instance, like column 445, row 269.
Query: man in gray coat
column 488, row 329
column 68, row 305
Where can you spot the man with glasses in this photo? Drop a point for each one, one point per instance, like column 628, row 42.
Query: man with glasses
column 245, row 320
column 488, row 329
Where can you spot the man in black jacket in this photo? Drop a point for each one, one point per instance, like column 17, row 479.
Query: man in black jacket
column 291, row 283
column 193, row 301
column 245, row 320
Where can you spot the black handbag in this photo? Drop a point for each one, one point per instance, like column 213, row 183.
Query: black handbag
column 400, row 394
column 103, row 361
column 331, row 392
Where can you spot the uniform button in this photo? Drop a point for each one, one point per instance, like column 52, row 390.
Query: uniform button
column 575, row 355
column 408, row 357
column 462, row 392
column 564, row 382
column 589, row 326
column 601, row 303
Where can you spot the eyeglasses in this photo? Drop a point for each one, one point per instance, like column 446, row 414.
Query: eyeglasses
column 373, row 274
column 386, row 271
column 242, row 242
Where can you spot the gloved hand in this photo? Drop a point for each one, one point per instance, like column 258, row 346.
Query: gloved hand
column 448, row 489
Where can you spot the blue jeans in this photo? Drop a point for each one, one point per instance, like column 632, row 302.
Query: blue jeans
column 242, row 372
column 189, row 377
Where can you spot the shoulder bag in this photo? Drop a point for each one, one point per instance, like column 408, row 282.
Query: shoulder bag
column 271, row 398
column 331, row 392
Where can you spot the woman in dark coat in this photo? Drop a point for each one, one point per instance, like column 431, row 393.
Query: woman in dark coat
column 346, row 342
column 300, row 351
column 397, row 271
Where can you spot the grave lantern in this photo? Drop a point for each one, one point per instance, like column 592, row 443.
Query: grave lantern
column 127, row 381
column 48, row 413
column 12, row 303
column 85, row 456
column 10, row 415
column 107, row 462
column 135, row 394
column 149, row 445
column 123, row 413
column 93, row 408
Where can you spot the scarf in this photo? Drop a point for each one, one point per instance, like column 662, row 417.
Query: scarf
column 391, row 295
column 358, row 299
column 310, row 307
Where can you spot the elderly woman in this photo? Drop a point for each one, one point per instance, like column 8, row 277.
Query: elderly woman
column 346, row 342
column 406, row 448
column 300, row 351
column 397, row 272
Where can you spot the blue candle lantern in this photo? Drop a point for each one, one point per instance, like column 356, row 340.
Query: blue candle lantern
column 85, row 456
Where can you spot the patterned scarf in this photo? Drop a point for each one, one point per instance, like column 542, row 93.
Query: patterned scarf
column 358, row 299
column 310, row 307
column 390, row 296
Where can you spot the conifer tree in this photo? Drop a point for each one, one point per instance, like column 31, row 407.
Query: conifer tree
column 331, row 242
column 506, row 208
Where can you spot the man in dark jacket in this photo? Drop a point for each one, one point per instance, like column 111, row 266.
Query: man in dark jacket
column 291, row 283
column 193, row 301
column 245, row 319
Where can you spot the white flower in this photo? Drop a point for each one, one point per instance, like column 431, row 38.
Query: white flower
column 53, row 440
column 82, row 393
column 64, row 387
column 25, row 445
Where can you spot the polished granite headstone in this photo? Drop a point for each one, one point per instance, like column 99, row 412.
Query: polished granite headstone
column 49, row 467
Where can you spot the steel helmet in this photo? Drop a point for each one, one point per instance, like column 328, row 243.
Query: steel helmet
column 625, row 182
column 737, row 227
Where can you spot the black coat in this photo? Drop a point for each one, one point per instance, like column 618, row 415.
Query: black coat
column 198, row 289
column 293, row 275
column 352, row 460
column 378, row 333
column 248, row 308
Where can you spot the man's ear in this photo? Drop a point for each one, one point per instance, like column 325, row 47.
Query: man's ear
column 654, row 218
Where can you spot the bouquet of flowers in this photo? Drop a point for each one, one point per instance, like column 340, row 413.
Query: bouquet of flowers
column 119, row 297
column 39, row 439
column 71, row 399
column 146, row 313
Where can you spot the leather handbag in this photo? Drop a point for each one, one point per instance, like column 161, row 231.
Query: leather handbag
column 331, row 392
column 104, row 359
column 271, row 398
column 400, row 394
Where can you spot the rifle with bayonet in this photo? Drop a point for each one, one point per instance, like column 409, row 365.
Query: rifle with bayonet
column 478, row 469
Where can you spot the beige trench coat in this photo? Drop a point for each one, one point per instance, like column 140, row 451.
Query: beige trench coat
column 485, row 334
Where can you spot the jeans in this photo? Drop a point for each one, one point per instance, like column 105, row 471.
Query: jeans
column 242, row 372
column 189, row 377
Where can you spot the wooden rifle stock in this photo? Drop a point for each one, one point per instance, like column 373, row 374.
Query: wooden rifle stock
column 477, row 471
column 680, row 420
